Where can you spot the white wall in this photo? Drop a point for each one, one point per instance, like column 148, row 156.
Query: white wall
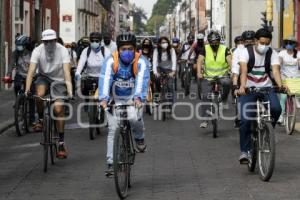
column 68, row 29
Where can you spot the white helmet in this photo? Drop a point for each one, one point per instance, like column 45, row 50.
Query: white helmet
column 200, row 36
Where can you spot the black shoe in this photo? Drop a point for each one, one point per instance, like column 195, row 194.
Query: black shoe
column 110, row 171
column 140, row 145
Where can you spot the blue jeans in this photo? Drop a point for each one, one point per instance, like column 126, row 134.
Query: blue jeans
column 248, row 111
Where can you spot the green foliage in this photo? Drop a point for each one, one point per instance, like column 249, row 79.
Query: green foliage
column 138, row 16
column 159, row 12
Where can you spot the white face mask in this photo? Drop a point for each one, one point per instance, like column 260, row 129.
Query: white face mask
column 164, row 45
column 240, row 46
column 262, row 49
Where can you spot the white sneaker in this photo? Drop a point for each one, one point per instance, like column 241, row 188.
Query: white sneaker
column 280, row 120
column 204, row 124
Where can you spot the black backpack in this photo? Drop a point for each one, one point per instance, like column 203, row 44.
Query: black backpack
column 267, row 65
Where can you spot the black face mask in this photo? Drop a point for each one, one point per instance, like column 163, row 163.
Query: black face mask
column 200, row 43
column 191, row 42
column 215, row 47
column 106, row 42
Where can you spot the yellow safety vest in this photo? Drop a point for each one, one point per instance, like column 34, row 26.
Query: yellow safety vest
column 215, row 66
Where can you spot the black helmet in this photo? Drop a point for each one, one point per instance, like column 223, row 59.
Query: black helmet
column 95, row 35
column 248, row 35
column 213, row 35
column 238, row 39
column 23, row 40
column 126, row 38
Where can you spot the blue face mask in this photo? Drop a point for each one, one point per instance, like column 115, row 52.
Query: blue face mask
column 290, row 46
column 95, row 45
column 127, row 57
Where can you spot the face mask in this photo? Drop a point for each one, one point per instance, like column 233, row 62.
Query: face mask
column 240, row 46
column 145, row 51
column 215, row 47
column 290, row 46
column 95, row 45
column 127, row 57
column 50, row 48
column 200, row 43
column 262, row 49
column 106, row 42
column 20, row 48
column 175, row 44
column 191, row 42
column 164, row 45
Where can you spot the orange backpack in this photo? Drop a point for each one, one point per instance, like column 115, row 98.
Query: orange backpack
column 115, row 56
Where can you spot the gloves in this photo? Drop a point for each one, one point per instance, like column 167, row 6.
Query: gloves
column 77, row 77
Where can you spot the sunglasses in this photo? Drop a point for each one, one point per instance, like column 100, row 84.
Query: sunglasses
column 95, row 41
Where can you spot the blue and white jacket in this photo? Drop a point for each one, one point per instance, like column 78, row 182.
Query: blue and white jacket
column 123, row 86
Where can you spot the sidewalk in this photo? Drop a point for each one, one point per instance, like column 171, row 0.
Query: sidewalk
column 7, row 99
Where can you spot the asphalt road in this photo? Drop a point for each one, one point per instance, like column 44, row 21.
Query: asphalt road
column 182, row 162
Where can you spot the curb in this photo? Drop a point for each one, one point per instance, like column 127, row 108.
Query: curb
column 4, row 126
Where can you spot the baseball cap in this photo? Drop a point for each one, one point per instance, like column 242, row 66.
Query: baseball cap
column 49, row 34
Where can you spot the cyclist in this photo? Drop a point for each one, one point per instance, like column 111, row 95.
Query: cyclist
column 124, row 80
column 83, row 43
column 92, row 59
column 238, row 42
column 21, row 61
column 108, row 43
column 290, row 66
column 256, row 63
column 248, row 38
column 53, row 62
column 217, row 62
column 164, row 61
column 196, row 48
column 177, row 47
column 184, row 55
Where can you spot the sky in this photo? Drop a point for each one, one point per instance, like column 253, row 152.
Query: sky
column 147, row 5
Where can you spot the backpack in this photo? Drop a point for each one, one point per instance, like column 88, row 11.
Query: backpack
column 88, row 55
column 251, row 61
column 115, row 56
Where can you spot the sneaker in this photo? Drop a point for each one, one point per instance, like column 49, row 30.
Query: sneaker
column 244, row 158
column 140, row 145
column 110, row 171
column 204, row 124
column 61, row 152
column 280, row 120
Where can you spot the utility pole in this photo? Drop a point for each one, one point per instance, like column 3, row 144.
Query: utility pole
column 281, row 22
column 230, row 23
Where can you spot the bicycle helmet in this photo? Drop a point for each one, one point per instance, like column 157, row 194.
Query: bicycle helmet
column 175, row 40
column 248, row 35
column 238, row 39
column 95, row 35
column 23, row 40
column 213, row 35
column 125, row 39
column 200, row 36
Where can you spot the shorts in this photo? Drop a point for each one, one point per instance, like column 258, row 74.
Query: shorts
column 57, row 89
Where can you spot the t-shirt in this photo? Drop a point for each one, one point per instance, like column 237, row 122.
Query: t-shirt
column 185, row 51
column 258, row 76
column 53, row 70
column 235, row 69
column 289, row 67
column 22, row 62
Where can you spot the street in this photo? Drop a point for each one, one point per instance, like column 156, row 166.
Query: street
column 182, row 162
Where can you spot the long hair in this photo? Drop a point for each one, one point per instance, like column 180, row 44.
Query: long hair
column 150, row 46
column 159, row 48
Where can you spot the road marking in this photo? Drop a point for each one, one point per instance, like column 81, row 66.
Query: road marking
column 31, row 145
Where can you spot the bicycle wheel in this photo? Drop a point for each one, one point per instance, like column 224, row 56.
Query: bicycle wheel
column 54, row 142
column 131, row 153
column 46, row 141
column 215, row 112
column 21, row 115
column 121, row 164
column 92, row 122
column 253, row 152
column 187, row 83
column 290, row 118
column 266, row 152
column 199, row 89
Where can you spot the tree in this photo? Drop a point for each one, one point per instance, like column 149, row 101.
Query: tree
column 139, row 15
column 160, row 9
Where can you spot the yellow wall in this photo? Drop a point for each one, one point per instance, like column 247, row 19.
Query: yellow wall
column 288, row 28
